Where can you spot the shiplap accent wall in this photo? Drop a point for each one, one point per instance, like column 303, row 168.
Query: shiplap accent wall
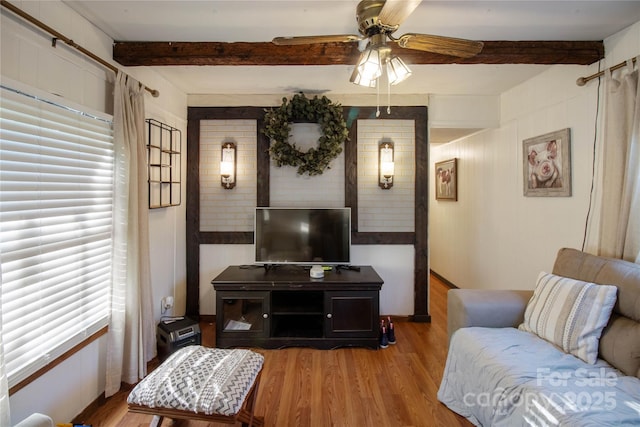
column 288, row 189
column 379, row 210
column 222, row 209
column 390, row 210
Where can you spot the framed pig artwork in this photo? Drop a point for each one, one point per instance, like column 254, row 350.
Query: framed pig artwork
column 447, row 180
column 546, row 164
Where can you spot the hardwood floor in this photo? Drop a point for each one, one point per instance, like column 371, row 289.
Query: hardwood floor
column 357, row 387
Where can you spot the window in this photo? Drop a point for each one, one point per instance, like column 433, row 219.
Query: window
column 56, row 192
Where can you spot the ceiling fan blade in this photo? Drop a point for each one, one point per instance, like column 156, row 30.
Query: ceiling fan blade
column 338, row 38
column 394, row 12
column 442, row 45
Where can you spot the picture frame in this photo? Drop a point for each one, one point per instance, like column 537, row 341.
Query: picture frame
column 546, row 165
column 446, row 179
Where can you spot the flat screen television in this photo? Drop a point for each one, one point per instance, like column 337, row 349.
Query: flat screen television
column 302, row 236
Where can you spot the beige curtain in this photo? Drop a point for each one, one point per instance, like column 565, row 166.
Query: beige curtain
column 615, row 230
column 131, row 339
column 5, row 416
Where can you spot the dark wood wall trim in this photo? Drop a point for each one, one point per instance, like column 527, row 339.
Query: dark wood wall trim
column 421, row 270
column 351, row 168
column 418, row 238
column 226, row 237
column 193, row 216
column 377, row 238
column 193, row 234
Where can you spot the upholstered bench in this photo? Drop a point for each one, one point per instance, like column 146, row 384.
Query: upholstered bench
column 199, row 383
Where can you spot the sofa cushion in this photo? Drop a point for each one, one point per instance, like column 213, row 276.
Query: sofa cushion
column 504, row 377
column 569, row 313
column 605, row 271
column 620, row 340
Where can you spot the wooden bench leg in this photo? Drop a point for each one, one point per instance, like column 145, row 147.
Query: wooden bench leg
column 247, row 410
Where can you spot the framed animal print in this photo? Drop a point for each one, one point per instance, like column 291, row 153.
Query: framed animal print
column 447, row 180
column 546, row 164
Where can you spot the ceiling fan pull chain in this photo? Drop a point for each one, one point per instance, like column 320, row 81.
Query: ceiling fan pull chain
column 388, row 94
column 377, row 100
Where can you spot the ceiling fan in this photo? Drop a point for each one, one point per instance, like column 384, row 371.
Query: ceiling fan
column 379, row 19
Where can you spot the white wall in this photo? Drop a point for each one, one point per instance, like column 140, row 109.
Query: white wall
column 27, row 57
column 493, row 236
column 464, row 111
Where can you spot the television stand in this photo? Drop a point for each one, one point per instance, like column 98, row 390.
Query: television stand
column 268, row 267
column 347, row 267
column 284, row 307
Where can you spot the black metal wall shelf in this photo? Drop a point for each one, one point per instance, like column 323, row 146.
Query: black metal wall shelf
column 164, row 151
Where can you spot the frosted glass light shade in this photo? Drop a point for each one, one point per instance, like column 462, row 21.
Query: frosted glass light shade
column 356, row 78
column 387, row 169
column 386, row 165
column 369, row 65
column 228, row 165
column 397, row 70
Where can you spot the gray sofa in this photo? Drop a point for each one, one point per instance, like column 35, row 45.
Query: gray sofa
column 36, row 420
column 497, row 374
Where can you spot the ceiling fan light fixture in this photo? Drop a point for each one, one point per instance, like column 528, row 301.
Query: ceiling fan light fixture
column 357, row 78
column 397, row 70
column 369, row 65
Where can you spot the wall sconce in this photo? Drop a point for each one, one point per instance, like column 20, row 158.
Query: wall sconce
column 228, row 165
column 386, row 168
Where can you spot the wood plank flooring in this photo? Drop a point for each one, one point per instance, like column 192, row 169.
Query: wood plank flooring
column 357, row 387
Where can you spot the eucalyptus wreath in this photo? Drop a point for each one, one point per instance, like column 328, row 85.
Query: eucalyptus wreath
column 303, row 110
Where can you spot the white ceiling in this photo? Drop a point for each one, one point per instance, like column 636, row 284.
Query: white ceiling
column 261, row 20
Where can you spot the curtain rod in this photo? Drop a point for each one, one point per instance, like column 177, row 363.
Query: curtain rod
column 56, row 35
column 583, row 80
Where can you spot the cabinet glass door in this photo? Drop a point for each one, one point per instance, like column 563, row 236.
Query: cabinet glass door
column 242, row 313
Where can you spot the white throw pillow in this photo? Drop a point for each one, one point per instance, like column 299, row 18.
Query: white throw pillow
column 570, row 314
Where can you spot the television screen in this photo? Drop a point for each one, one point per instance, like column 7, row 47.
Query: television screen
column 302, row 236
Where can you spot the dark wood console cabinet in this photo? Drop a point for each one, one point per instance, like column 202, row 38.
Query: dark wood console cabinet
column 283, row 307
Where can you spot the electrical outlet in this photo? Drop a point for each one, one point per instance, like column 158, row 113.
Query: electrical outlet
column 166, row 303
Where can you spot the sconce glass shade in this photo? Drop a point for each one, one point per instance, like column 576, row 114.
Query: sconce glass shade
column 228, row 165
column 387, row 169
column 397, row 70
column 386, row 165
column 226, row 168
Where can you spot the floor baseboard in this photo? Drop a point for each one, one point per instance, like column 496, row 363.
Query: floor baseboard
column 444, row 280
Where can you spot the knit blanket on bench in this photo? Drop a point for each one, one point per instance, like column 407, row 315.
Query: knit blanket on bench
column 201, row 380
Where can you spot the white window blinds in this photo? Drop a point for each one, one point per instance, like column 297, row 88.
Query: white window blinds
column 56, row 192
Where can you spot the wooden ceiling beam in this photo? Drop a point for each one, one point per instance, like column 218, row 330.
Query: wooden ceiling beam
column 266, row 53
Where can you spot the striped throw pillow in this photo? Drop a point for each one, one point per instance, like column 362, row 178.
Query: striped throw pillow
column 570, row 314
